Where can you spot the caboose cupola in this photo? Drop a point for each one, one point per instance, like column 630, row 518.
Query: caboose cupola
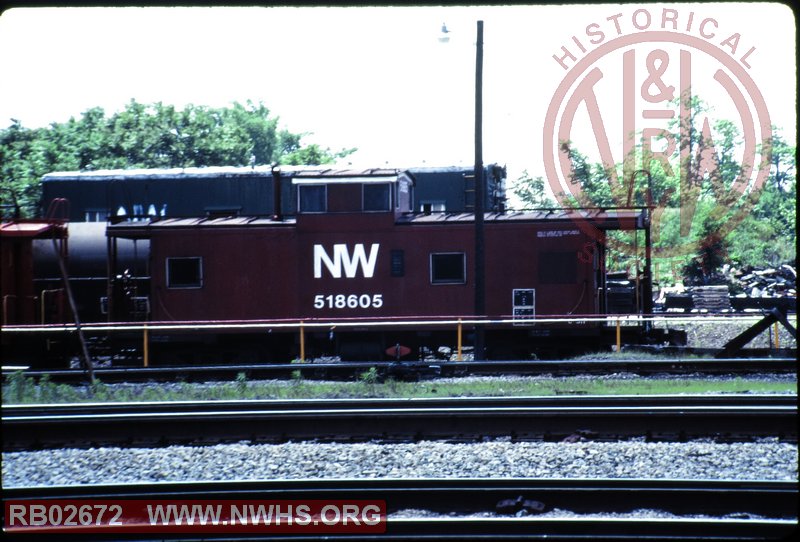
column 354, row 194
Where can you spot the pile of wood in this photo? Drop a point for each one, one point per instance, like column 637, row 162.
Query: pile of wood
column 778, row 281
column 711, row 298
column 748, row 289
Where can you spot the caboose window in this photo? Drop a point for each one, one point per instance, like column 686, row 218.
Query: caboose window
column 448, row 268
column 376, row 197
column 184, row 272
column 313, row 198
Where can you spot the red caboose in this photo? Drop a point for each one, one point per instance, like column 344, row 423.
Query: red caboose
column 357, row 251
column 22, row 302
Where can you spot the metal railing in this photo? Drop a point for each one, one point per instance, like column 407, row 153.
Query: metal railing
column 456, row 323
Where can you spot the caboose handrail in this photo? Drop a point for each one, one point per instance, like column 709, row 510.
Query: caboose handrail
column 199, row 325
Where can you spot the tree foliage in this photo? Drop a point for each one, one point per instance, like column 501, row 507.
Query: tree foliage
column 147, row 136
column 696, row 205
column 532, row 193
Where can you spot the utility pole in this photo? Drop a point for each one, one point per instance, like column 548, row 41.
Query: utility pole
column 480, row 276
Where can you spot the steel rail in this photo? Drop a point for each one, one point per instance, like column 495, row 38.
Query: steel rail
column 350, row 370
column 558, row 401
column 537, row 418
column 499, row 501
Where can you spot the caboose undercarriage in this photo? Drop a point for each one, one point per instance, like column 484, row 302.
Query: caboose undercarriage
column 203, row 343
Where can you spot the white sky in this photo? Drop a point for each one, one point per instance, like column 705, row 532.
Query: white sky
column 369, row 77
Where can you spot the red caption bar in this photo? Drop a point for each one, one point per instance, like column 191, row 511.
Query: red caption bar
column 194, row 516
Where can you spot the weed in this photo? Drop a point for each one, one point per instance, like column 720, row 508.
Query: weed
column 241, row 384
column 19, row 387
column 370, row 379
column 100, row 391
column 47, row 390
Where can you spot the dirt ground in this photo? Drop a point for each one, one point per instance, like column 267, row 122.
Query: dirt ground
column 716, row 334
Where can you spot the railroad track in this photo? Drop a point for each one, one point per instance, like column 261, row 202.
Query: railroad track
column 676, row 418
column 349, row 371
column 475, row 509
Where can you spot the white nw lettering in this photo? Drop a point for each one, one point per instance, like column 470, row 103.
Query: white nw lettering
column 342, row 257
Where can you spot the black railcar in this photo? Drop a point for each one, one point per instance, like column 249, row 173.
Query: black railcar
column 246, row 191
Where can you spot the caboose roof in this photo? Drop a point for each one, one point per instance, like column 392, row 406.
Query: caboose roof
column 33, row 229
column 600, row 218
column 143, row 228
column 344, row 180
column 298, row 172
column 604, row 219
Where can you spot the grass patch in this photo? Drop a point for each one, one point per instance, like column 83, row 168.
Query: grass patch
column 19, row 389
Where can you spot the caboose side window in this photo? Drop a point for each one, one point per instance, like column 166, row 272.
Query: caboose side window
column 313, row 198
column 184, row 272
column 448, row 268
column 376, row 197
column 558, row 267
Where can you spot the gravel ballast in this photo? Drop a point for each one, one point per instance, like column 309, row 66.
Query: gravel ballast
column 766, row 459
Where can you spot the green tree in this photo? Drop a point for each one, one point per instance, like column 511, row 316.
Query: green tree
column 312, row 154
column 784, row 163
column 768, row 235
column 147, row 136
column 532, row 193
column 696, row 199
column 712, row 253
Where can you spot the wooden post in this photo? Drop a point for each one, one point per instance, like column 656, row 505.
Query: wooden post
column 146, row 348
column 619, row 337
column 87, row 359
column 302, row 342
column 460, row 331
column 480, row 271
